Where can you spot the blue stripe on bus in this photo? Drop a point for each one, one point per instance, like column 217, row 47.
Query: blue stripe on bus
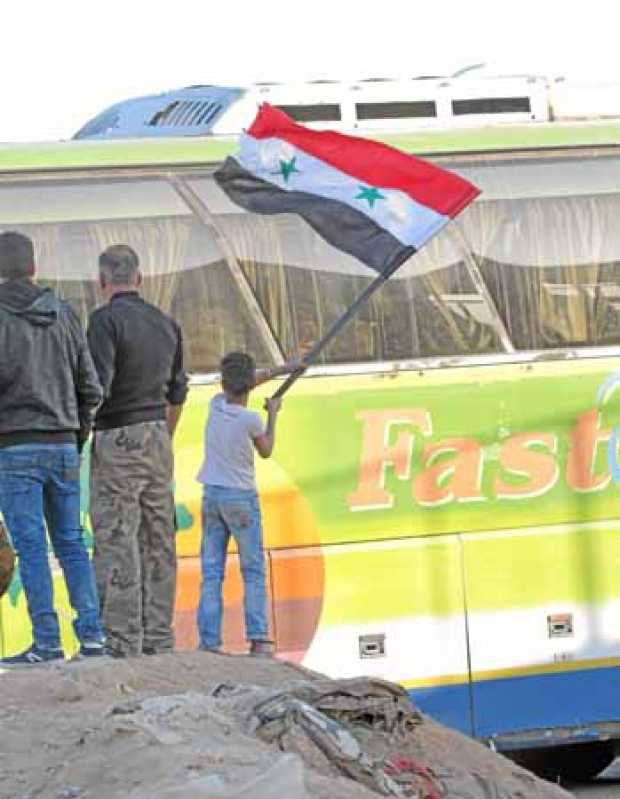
column 449, row 704
column 518, row 704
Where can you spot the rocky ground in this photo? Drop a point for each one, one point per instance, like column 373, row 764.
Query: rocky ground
column 158, row 728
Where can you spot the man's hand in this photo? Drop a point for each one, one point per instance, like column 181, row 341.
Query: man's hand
column 173, row 414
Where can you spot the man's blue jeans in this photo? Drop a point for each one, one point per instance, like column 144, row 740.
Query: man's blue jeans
column 41, row 483
column 226, row 512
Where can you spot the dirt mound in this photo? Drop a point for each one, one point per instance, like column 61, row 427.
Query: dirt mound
column 199, row 725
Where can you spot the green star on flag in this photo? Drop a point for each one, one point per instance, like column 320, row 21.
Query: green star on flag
column 371, row 194
column 287, row 168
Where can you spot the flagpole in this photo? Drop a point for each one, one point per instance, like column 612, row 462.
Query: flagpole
column 314, row 353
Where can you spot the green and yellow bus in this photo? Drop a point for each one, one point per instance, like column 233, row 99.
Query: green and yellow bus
column 443, row 505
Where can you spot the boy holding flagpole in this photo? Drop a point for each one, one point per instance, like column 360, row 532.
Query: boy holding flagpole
column 230, row 503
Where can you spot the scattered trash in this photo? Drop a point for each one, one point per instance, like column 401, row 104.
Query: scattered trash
column 327, row 713
column 405, row 769
column 194, row 727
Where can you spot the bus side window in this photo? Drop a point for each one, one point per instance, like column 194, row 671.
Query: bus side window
column 553, row 269
column 453, row 318
column 430, row 307
column 72, row 220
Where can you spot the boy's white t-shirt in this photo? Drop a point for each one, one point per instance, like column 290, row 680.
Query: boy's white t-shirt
column 229, row 447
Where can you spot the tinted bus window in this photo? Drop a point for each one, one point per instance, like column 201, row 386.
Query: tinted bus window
column 320, row 112
column 429, row 308
column 215, row 320
column 552, row 266
column 396, row 110
column 184, row 272
column 492, row 105
column 559, row 306
column 545, row 235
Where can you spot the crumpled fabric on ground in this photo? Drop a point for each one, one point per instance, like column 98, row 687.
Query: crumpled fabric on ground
column 362, row 701
column 326, row 711
column 319, row 719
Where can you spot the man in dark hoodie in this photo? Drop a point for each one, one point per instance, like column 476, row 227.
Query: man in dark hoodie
column 49, row 392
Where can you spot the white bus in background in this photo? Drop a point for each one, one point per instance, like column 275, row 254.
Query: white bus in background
column 373, row 105
column 381, row 104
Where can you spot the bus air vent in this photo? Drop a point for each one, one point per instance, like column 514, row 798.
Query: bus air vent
column 184, row 112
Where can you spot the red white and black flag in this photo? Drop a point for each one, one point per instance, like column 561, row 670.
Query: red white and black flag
column 366, row 198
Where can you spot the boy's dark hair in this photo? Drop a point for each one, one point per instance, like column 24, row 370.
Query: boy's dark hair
column 119, row 265
column 16, row 256
column 238, row 373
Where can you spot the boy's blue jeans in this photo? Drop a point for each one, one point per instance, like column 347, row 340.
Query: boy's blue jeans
column 41, row 483
column 226, row 512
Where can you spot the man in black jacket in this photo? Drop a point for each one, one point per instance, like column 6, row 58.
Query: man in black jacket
column 138, row 353
column 48, row 395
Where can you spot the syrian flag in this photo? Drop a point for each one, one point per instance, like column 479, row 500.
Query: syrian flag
column 366, row 198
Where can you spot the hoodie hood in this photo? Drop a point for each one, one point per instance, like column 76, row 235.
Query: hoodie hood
column 38, row 306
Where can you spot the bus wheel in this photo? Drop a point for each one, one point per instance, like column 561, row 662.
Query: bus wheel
column 572, row 763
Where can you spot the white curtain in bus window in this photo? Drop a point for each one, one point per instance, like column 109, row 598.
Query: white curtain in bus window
column 547, row 240
column 430, row 307
column 185, row 274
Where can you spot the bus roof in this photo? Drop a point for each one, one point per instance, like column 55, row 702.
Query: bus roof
column 201, row 150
